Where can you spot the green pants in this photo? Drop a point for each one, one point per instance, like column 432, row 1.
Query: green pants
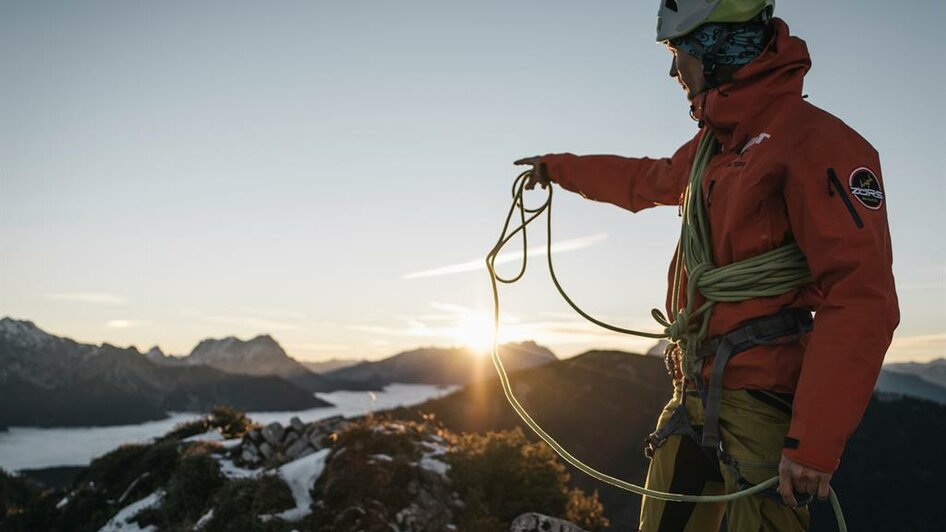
column 752, row 431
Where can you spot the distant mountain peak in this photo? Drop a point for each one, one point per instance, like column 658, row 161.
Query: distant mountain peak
column 155, row 352
column 261, row 355
column 23, row 333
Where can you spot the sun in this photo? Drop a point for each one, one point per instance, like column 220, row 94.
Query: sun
column 475, row 331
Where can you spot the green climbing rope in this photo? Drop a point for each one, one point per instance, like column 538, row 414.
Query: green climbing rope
column 769, row 274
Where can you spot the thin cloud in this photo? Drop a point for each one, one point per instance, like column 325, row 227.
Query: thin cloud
column 126, row 324
column 573, row 244
column 89, row 297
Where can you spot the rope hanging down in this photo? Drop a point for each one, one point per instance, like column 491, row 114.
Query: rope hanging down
column 769, row 274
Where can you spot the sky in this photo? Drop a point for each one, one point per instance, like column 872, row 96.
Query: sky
column 332, row 173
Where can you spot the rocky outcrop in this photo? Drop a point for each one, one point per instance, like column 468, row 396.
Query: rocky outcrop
column 276, row 444
column 533, row 522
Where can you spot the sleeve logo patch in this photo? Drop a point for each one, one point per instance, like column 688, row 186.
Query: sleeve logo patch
column 866, row 188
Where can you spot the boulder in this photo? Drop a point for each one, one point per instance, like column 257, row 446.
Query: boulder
column 273, row 433
column 290, row 439
column 250, row 454
column 297, row 449
column 266, row 450
column 533, row 522
column 297, row 424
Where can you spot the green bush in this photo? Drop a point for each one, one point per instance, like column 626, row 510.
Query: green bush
column 239, row 502
column 115, row 471
column 231, row 423
column 188, row 492
column 501, row 476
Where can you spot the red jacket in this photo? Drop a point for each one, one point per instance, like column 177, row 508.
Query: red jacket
column 787, row 171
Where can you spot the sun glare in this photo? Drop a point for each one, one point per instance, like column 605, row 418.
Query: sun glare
column 475, row 331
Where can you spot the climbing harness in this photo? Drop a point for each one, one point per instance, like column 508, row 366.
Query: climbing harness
column 769, row 274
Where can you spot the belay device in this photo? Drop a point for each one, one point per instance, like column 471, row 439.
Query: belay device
column 771, row 273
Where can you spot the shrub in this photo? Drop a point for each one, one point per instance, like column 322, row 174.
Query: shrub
column 239, row 502
column 231, row 423
column 501, row 476
column 586, row 511
column 188, row 492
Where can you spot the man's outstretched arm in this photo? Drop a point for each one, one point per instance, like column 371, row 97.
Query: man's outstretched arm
column 628, row 182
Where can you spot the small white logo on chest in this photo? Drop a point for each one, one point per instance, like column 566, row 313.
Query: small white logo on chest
column 758, row 139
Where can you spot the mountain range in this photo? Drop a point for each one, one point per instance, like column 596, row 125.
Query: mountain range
column 259, row 356
column 46, row 380
column 436, row 365
column 53, row 381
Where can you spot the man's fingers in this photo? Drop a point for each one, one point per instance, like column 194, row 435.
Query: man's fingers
column 824, row 489
column 785, row 488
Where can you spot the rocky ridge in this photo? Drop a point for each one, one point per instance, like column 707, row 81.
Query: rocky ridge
column 225, row 473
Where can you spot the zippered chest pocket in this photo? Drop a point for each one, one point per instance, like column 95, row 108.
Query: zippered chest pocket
column 834, row 184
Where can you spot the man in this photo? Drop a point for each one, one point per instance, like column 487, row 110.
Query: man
column 780, row 173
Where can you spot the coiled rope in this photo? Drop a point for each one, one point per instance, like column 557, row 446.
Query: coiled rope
column 769, row 274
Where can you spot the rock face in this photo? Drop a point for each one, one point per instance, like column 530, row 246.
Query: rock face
column 533, row 522
column 264, row 356
column 276, row 444
column 260, row 356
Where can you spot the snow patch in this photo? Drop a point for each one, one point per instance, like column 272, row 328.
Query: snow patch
column 61, row 504
column 124, row 519
column 231, row 444
column 231, row 470
column 432, row 464
column 300, row 475
column 382, row 457
column 204, row 519
column 212, row 435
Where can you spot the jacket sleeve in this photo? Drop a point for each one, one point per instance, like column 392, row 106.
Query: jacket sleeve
column 628, row 182
column 838, row 215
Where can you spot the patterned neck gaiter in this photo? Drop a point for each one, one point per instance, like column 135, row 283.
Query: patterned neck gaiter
column 725, row 43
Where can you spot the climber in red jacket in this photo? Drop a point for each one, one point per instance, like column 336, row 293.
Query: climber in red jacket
column 785, row 172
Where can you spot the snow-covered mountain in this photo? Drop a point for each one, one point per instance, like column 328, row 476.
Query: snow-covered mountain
column 46, row 380
column 264, row 356
column 260, row 356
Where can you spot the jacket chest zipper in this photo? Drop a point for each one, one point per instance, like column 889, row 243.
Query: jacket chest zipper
column 836, row 183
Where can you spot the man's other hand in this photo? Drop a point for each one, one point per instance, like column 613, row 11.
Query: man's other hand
column 794, row 477
column 538, row 175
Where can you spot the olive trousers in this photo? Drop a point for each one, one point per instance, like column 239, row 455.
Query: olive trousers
column 753, row 432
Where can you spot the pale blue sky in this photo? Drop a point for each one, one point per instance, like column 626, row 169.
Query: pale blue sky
column 176, row 170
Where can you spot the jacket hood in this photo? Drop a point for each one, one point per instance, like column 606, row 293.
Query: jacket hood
column 734, row 109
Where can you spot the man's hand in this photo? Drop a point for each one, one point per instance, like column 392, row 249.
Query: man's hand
column 539, row 175
column 794, row 477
